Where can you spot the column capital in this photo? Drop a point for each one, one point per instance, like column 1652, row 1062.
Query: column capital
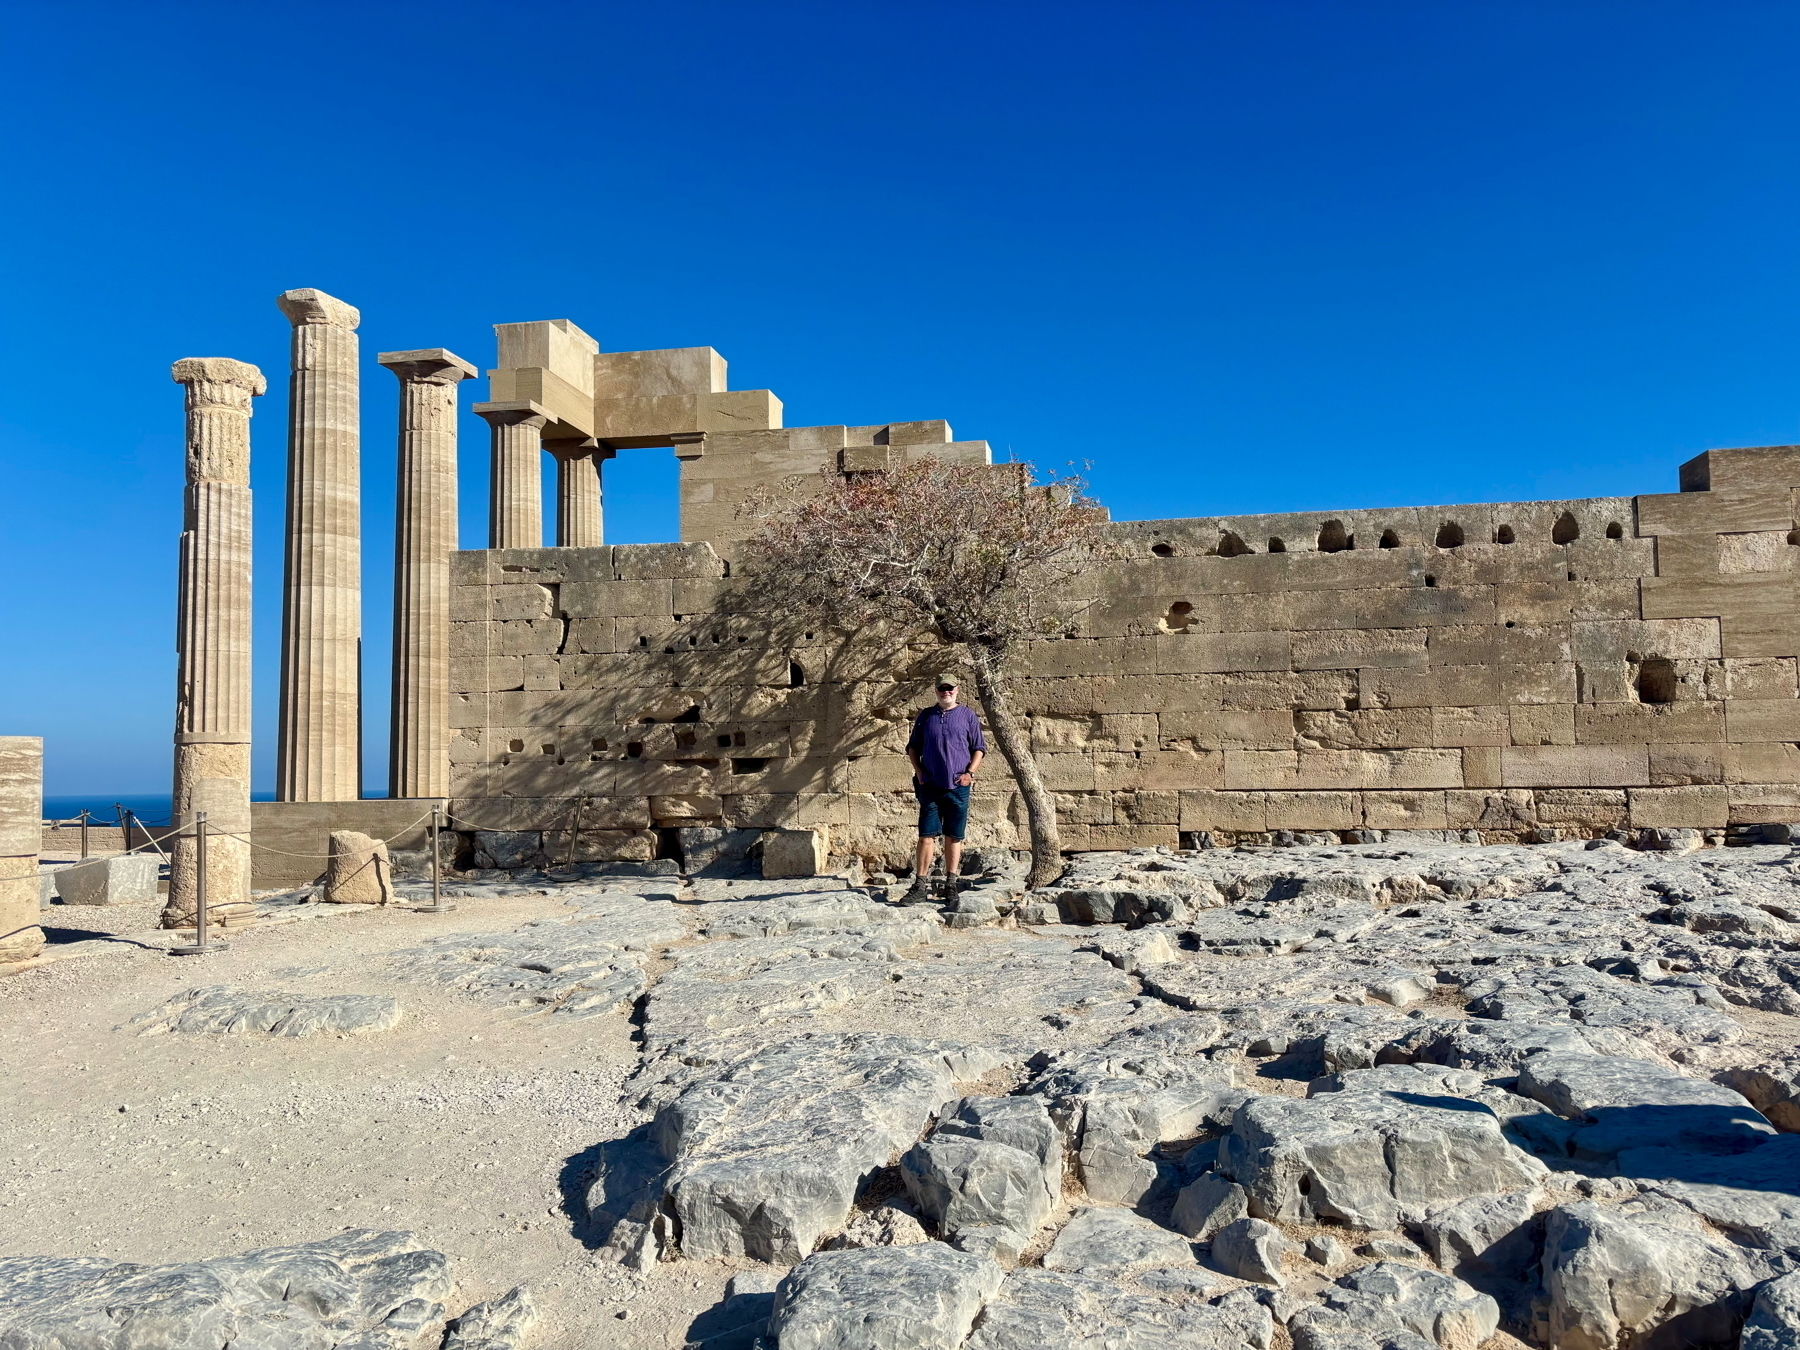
column 218, row 370
column 427, row 365
column 520, row 414
column 307, row 306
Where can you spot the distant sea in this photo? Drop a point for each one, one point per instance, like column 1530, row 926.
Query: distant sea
column 150, row 810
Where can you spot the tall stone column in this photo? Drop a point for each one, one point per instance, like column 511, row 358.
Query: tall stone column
column 21, row 835
column 516, row 482
column 212, row 642
column 424, row 538
column 319, row 758
column 579, row 519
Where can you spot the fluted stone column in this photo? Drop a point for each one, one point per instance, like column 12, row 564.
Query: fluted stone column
column 424, row 538
column 579, row 519
column 21, row 834
column 212, row 641
column 516, row 482
column 319, row 758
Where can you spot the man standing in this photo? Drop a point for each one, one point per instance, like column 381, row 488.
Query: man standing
column 946, row 750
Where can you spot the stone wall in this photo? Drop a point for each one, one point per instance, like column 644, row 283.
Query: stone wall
column 1517, row 669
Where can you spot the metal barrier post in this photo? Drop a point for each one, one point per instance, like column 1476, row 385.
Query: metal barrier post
column 200, row 945
column 124, row 826
column 84, row 837
column 438, row 904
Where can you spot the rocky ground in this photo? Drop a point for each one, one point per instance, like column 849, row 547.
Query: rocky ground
column 1405, row 1094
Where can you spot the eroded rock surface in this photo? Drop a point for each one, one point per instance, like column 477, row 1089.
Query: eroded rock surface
column 221, row 1011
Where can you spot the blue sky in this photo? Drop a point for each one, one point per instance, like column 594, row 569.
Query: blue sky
column 1258, row 256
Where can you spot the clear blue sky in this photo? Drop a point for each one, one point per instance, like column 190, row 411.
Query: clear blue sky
column 1278, row 254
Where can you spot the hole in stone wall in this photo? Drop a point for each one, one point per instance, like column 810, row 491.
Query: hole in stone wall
column 1449, row 535
column 599, row 744
column 1230, row 546
column 1566, row 530
column 685, row 739
column 547, row 749
column 1430, row 580
column 1656, row 682
column 796, row 676
column 1504, row 535
column 737, row 738
column 1389, row 539
column 724, row 742
column 691, row 715
column 748, row 764
column 514, row 746
column 1277, row 545
column 1162, row 550
column 643, row 641
column 634, row 750
column 1615, row 530
column 1571, row 576
column 1334, row 538
column 1179, row 619
column 1794, row 536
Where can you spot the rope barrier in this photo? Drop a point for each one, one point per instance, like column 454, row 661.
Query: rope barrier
column 264, row 848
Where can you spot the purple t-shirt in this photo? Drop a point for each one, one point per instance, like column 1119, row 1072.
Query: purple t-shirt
column 946, row 742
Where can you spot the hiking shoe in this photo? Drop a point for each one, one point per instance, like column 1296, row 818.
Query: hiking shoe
column 918, row 894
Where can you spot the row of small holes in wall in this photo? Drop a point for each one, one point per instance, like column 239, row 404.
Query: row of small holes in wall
column 1334, row 538
column 635, row 750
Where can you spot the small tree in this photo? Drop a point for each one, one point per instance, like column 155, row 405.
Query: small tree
column 980, row 557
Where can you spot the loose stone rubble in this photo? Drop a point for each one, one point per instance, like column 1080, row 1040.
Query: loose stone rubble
column 1402, row 1095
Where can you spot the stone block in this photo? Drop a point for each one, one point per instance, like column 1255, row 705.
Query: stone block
column 1355, row 649
column 1694, row 807
column 1379, row 769
column 1213, row 653
column 1437, row 687
column 1491, row 644
column 1424, row 607
column 1760, row 678
column 124, row 879
column 1534, row 684
column 1107, row 838
column 1313, row 811
column 1762, row 720
column 1542, row 724
column 644, row 598
column 1364, row 728
column 1174, row 768
column 1230, row 728
column 1505, row 810
column 1470, row 726
column 358, row 872
column 1526, row 603
column 1250, row 769
column 795, row 853
column 1482, row 766
column 1405, row 811
column 1758, row 635
column 1239, row 812
column 1677, row 765
column 1634, row 639
column 1760, row 762
column 1646, row 723
column 1763, row 803
column 680, row 808
column 1574, row 765
column 1599, row 809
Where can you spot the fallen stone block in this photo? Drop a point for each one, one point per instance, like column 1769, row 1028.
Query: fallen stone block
column 124, row 879
column 920, row 1297
column 768, row 1155
column 1386, row 1299
column 1054, row 1310
column 963, row 1184
column 1485, row 1233
column 794, row 853
column 1207, row 1204
column 358, row 871
column 1110, row 1241
column 1252, row 1250
column 221, row 1011
column 1647, row 1280
column 1774, row 1321
column 1626, row 1104
column 1381, row 1149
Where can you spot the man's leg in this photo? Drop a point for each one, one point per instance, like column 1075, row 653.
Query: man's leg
column 926, row 852
column 954, row 810
column 952, row 861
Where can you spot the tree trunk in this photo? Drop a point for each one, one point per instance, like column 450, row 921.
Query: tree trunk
column 993, row 687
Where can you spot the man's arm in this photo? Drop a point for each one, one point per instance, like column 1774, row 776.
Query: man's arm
column 913, row 743
column 977, row 750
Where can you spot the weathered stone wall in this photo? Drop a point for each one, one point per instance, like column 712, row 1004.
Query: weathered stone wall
column 1545, row 666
